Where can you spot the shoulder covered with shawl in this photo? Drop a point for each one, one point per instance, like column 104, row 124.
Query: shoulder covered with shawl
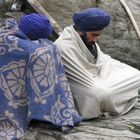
column 33, row 84
column 104, row 85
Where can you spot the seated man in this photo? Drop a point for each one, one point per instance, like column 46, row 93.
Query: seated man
column 99, row 83
column 33, row 84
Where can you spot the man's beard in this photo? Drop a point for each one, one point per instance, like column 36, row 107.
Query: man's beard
column 84, row 38
column 90, row 45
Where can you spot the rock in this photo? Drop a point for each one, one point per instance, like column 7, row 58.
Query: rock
column 119, row 39
column 65, row 9
column 126, row 127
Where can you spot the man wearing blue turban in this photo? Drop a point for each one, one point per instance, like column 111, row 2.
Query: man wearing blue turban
column 99, row 83
column 33, row 84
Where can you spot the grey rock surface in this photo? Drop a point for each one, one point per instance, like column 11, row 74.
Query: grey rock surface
column 62, row 10
column 119, row 39
column 126, row 127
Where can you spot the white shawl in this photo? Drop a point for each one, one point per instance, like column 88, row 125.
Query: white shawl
column 104, row 85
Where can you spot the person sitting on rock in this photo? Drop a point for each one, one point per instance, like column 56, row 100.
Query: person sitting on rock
column 33, row 84
column 100, row 84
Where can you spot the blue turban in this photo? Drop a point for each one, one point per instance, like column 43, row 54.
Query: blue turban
column 92, row 19
column 35, row 26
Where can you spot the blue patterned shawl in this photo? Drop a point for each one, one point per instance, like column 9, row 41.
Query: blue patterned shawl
column 33, row 84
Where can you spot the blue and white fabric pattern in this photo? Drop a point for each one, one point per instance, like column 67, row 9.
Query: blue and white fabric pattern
column 33, row 84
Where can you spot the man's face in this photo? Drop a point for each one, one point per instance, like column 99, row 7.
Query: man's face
column 89, row 38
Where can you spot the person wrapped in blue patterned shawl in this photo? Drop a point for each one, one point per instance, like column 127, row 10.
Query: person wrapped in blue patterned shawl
column 33, row 82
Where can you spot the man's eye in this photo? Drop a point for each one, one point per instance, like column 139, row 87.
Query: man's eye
column 94, row 35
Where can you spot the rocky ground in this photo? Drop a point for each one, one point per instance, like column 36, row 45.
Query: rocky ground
column 121, row 42
column 125, row 127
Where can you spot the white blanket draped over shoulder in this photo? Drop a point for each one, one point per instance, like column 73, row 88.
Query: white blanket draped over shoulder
column 104, row 85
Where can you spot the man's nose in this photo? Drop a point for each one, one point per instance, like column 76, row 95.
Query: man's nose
column 95, row 39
